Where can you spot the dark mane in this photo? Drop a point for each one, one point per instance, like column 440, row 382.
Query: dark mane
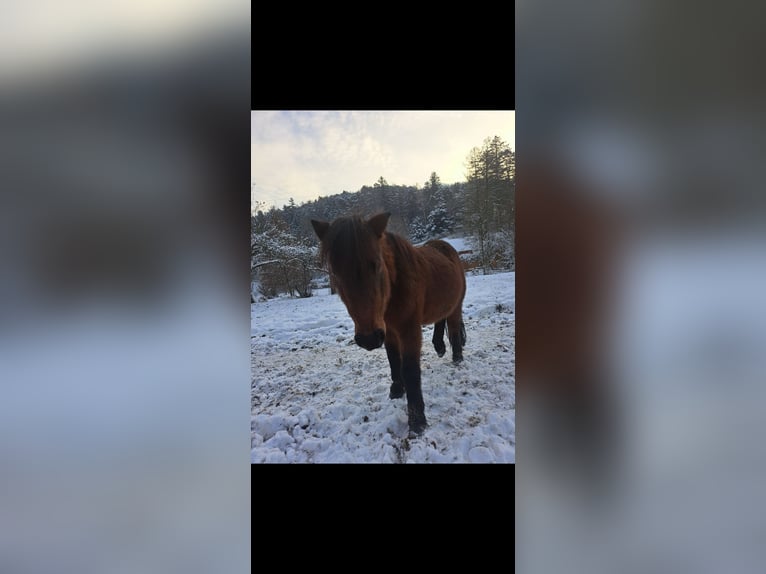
column 347, row 244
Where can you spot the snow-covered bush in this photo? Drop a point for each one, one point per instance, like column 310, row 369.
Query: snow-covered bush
column 281, row 262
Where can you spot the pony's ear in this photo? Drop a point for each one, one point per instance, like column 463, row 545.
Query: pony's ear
column 320, row 228
column 378, row 223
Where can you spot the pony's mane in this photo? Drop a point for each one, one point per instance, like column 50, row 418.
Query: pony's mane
column 349, row 242
column 346, row 243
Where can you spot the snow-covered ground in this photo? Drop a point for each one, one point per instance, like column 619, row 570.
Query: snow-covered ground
column 318, row 397
column 688, row 344
column 459, row 243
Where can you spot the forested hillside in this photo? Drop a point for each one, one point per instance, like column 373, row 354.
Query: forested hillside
column 482, row 209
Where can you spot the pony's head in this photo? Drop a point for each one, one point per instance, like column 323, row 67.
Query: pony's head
column 352, row 250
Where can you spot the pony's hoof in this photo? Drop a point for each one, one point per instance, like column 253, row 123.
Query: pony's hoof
column 440, row 349
column 457, row 360
column 396, row 392
column 417, row 425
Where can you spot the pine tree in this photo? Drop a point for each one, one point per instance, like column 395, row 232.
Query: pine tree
column 418, row 229
column 439, row 221
column 431, row 187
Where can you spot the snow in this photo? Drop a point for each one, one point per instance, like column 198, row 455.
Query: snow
column 318, row 397
column 688, row 338
column 459, row 243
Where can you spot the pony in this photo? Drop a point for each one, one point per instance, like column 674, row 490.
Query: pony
column 569, row 236
column 391, row 289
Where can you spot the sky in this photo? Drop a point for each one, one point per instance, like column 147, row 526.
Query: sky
column 305, row 154
column 47, row 36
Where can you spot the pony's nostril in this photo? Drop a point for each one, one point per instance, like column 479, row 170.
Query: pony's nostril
column 380, row 335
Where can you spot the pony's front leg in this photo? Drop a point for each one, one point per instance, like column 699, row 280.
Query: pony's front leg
column 411, row 343
column 395, row 361
column 416, row 416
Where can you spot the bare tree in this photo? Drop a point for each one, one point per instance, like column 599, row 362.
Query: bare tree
column 489, row 204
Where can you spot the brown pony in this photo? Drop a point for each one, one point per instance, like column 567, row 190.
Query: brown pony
column 568, row 237
column 391, row 289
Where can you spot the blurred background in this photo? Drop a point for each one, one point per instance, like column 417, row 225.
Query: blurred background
column 124, row 418
column 641, row 273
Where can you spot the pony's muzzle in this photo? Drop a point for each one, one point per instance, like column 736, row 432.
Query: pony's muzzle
column 372, row 340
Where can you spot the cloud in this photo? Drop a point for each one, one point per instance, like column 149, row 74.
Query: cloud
column 310, row 153
column 48, row 36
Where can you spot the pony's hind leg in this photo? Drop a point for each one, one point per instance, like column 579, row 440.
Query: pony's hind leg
column 438, row 338
column 456, row 335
